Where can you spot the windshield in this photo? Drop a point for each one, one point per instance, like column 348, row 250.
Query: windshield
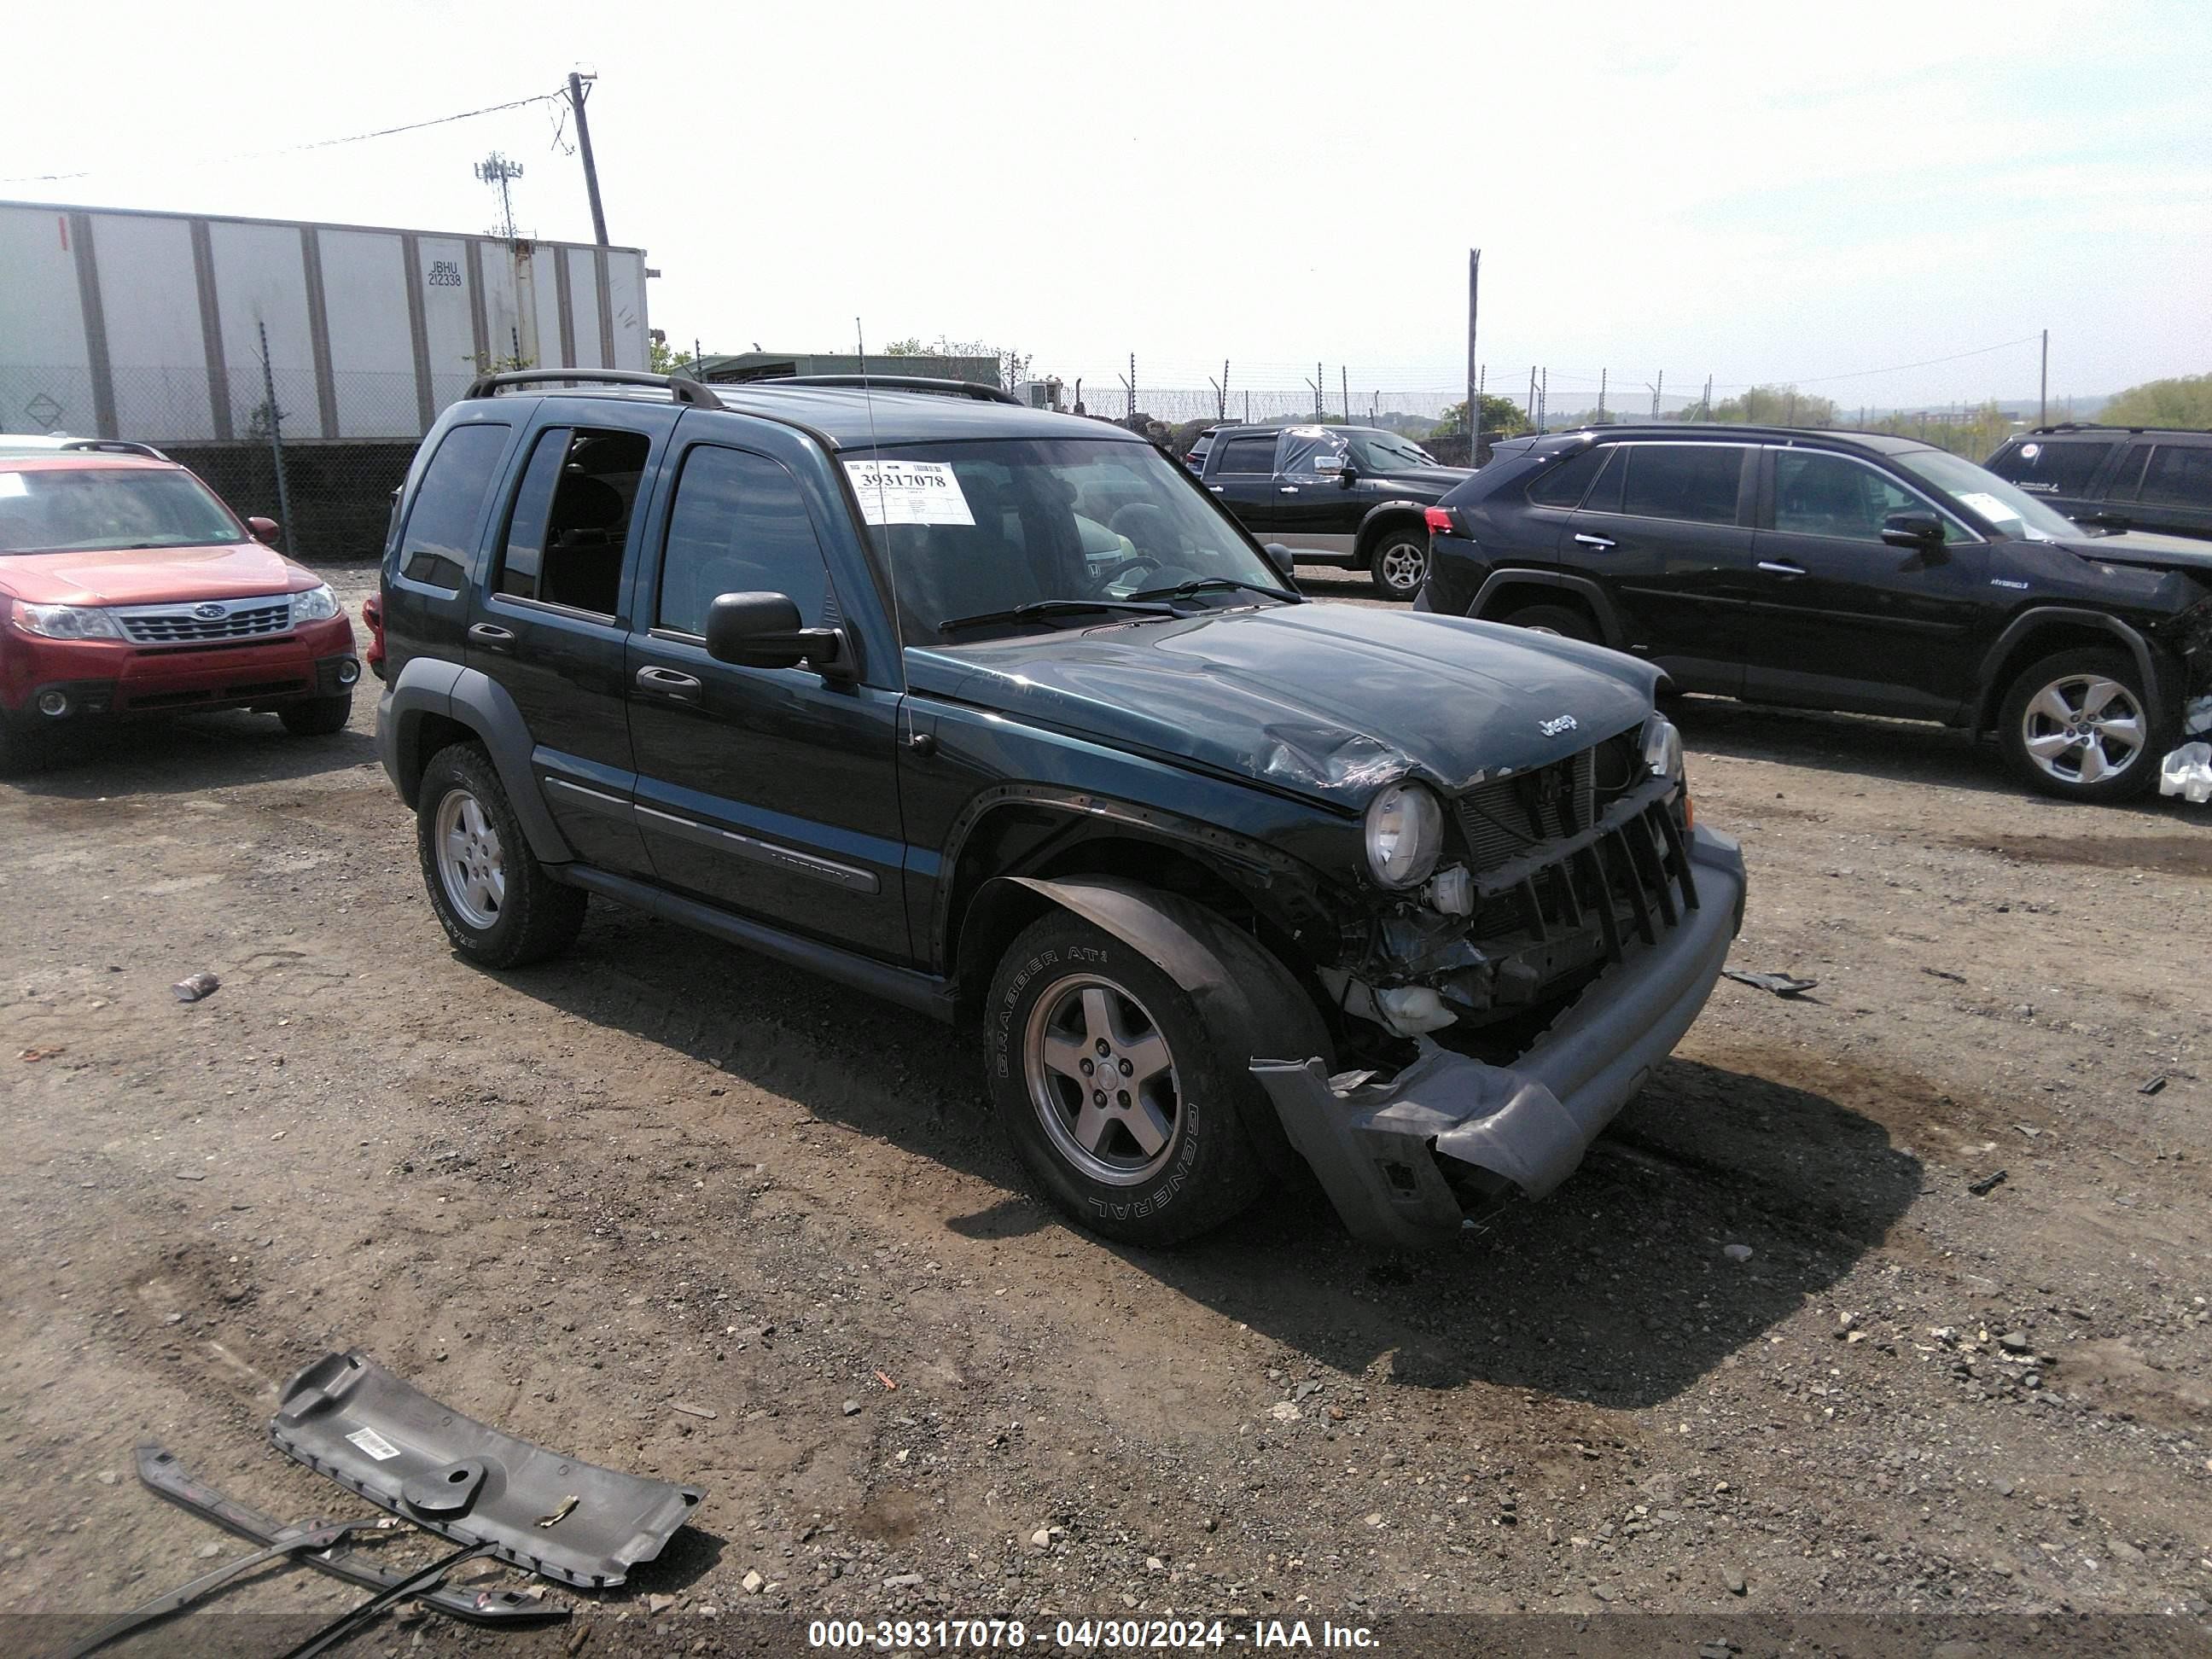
column 2013, row 511
column 92, row 509
column 975, row 529
column 1385, row 452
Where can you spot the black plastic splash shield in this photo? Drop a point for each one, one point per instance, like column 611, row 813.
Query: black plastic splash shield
column 348, row 1418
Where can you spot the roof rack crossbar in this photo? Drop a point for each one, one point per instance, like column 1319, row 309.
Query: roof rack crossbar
column 116, row 446
column 684, row 391
column 981, row 394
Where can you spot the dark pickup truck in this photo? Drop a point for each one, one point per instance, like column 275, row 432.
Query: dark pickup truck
column 996, row 715
column 1346, row 495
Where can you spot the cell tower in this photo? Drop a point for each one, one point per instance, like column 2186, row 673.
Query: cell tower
column 496, row 169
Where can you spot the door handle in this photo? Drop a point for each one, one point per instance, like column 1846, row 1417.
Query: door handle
column 1781, row 568
column 491, row 636
column 1219, row 489
column 1603, row 543
column 667, row 683
column 1286, row 489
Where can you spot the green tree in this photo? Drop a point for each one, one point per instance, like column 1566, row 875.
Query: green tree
column 1772, row 405
column 2184, row 400
column 909, row 347
column 663, row 358
column 1501, row 418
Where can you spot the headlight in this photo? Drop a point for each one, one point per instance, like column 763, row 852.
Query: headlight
column 1405, row 834
column 1663, row 747
column 67, row 621
column 316, row 604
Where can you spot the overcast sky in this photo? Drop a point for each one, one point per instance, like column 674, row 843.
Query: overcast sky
column 1775, row 192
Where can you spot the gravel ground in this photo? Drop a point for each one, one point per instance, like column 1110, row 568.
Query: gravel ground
column 1768, row 1350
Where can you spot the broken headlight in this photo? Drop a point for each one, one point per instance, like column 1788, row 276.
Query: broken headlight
column 1404, row 835
column 1661, row 746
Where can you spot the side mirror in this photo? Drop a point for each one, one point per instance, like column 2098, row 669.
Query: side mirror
column 264, row 530
column 1921, row 529
column 762, row 630
column 1285, row 563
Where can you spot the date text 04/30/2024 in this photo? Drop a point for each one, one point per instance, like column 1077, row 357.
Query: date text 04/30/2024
column 1084, row 1635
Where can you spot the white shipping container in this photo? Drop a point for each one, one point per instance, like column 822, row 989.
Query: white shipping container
column 117, row 323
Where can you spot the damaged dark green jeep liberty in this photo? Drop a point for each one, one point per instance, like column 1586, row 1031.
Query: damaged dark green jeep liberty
column 994, row 713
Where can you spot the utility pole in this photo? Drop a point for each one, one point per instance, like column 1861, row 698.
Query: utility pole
column 1344, row 379
column 496, row 169
column 1220, row 392
column 576, row 95
column 1248, row 408
column 1706, row 406
column 1658, row 390
column 276, row 437
column 2043, row 385
column 1544, row 401
column 1531, row 394
column 1474, row 368
column 1319, row 413
column 1602, row 376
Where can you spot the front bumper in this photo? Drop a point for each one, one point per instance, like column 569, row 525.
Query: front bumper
column 1376, row 1147
column 104, row 678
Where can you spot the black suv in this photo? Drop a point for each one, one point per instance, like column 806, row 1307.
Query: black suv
column 994, row 714
column 2139, row 478
column 1348, row 496
column 1843, row 570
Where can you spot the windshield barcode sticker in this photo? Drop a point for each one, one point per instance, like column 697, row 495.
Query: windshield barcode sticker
column 374, row 1444
column 908, row 492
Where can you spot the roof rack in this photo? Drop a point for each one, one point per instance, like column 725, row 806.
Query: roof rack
column 981, row 394
column 2099, row 426
column 115, row 447
column 684, row 391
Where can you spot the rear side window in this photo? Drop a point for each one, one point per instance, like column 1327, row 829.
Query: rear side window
column 1565, row 485
column 1694, row 482
column 1253, row 454
column 2179, row 475
column 442, row 526
column 571, row 520
column 740, row 525
column 2051, row 469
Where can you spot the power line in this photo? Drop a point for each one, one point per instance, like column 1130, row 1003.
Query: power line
column 318, row 143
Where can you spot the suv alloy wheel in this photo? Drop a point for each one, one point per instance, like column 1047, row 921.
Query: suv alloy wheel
column 501, row 908
column 1399, row 562
column 2077, row 724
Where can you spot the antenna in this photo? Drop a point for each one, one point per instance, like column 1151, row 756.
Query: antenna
column 883, row 509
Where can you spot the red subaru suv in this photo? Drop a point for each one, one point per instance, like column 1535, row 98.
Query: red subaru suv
column 127, row 588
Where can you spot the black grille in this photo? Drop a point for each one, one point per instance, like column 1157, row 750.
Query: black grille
column 1507, row 819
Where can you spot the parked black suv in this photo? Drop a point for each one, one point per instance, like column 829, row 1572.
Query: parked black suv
column 2152, row 479
column 1843, row 570
column 1348, row 496
column 994, row 714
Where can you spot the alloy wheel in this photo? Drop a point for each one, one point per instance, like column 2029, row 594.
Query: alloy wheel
column 1101, row 1079
column 2083, row 728
column 471, row 865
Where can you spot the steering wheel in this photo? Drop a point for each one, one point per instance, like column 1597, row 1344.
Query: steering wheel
column 1107, row 579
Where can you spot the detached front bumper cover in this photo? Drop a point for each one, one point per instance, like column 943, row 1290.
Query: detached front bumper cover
column 1376, row 1147
column 347, row 1417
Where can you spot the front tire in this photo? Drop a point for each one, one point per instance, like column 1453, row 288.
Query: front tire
column 317, row 717
column 499, row 905
column 2080, row 726
column 1398, row 563
column 1147, row 1146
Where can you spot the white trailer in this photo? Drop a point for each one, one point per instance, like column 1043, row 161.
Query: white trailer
column 117, row 323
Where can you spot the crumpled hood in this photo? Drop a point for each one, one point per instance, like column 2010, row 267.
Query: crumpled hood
column 159, row 575
column 2142, row 547
column 1331, row 702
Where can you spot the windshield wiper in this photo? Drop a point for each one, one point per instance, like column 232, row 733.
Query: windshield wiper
column 1208, row 584
column 1051, row 608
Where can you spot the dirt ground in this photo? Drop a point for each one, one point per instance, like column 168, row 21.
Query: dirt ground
column 1768, row 1350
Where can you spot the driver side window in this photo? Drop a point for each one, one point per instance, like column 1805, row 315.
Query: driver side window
column 1822, row 495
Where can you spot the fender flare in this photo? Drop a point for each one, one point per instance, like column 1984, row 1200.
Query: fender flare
column 1248, row 1000
column 1989, row 690
column 1363, row 538
column 1600, row 604
column 427, row 686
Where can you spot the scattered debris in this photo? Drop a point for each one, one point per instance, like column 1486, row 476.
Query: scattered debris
column 1987, row 1184
column 659, row 1603
column 1945, row 972
column 42, row 1054
column 902, row 1581
column 194, row 986
column 1736, row 1252
column 1737, row 1586
column 690, row 1409
column 191, row 1174
column 2028, row 1130
column 851, row 1408
column 1282, row 1412
column 2187, row 772
column 890, row 1387
column 752, row 1582
column 565, row 1507
column 1783, row 985
column 2015, row 1342
column 2154, row 1086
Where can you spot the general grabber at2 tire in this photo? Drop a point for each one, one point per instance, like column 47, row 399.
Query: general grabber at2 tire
column 1122, row 1103
column 499, row 905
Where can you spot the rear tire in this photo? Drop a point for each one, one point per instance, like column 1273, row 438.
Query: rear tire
column 499, row 905
column 318, row 717
column 1398, row 563
column 1561, row 619
column 1149, row 1147
column 2079, row 725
